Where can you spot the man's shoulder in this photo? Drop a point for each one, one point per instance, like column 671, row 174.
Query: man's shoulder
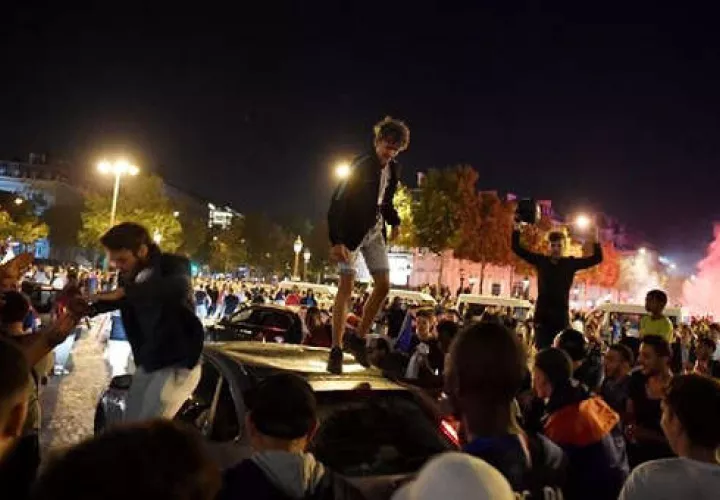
column 247, row 478
column 659, row 475
column 171, row 263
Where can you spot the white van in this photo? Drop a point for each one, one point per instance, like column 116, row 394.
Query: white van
column 473, row 306
column 411, row 297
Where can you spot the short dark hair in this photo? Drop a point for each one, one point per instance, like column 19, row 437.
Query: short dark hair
column 659, row 345
column 425, row 313
column 555, row 236
column 658, row 295
column 16, row 307
column 165, row 459
column 573, row 343
column 447, row 331
column 126, row 236
column 695, row 400
column 382, row 344
column 487, row 363
column 625, row 353
column 555, row 364
column 14, row 374
column 283, row 406
column 394, row 131
column 707, row 341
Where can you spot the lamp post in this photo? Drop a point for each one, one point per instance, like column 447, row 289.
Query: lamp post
column 306, row 256
column 297, row 246
column 118, row 169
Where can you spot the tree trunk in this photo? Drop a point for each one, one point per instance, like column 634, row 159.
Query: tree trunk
column 440, row 271
column 482, row 277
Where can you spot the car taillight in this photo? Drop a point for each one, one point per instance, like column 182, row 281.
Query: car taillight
column 449, row 431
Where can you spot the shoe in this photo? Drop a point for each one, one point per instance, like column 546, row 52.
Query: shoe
column 335, row 361
column 356, row 345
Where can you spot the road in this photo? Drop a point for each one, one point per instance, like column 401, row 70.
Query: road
column 68, row 402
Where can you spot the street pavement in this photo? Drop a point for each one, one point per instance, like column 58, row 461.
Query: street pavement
column 68, row 402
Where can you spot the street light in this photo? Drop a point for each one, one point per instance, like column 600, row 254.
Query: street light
column 119, row 168
column 642, row 250
column 306, row 256
column 18, row 201
column 297, row 246
column 176, row 214
column 157, row 237
column 582, row 222
column 342, row 170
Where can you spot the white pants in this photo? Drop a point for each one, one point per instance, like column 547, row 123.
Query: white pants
column 118, row 355
column 159, row 394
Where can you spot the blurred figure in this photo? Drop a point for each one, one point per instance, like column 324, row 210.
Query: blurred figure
column 381, row 355
column 395, row 317
column 690, row 415
column 160, row 460
column 615, row 386
column 582, row 425
column 705, row 364
column 17, row 470
column 457, row 476
column 486, row 368
column 319, row 332
column 586, row 369
column 656, row 323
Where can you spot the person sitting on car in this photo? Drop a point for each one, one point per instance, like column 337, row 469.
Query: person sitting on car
column 281, row 420
column 319, row 331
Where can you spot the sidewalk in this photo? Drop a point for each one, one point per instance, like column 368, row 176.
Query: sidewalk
column 68, row 402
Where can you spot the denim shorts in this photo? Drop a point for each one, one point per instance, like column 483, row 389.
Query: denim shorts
column 373, row 250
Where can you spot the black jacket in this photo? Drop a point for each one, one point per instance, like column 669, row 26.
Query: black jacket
column 354, row 206
column 158, row 314
column 554, row 280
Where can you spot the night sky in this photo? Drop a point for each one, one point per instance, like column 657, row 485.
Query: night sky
column 614, row 107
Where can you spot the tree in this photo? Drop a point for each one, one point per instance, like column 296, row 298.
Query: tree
column 607, row 273
column 484, row 223
column 142, row 200
column 269, row 245
column 318, row 242
column 227, row 248
column 195, row 235
column 406, row 206
column 435, row 213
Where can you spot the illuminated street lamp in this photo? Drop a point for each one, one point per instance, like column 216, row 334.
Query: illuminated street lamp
column 306, row 256
column 119, row 168
column 642, row 250
column 297, row 247
column 157, row 237
column 176, row 214
column 18, row 201
column 582, row 222
column 342, row 170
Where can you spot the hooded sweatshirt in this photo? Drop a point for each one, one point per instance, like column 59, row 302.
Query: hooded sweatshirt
column 284, row 475
column 582, row 425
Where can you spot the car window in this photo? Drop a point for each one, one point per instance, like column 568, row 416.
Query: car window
column 374, row 433
column 226, row 426
column 245, row 315
column 275, row 320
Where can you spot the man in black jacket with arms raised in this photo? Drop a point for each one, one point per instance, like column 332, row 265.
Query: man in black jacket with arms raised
column 555, row 275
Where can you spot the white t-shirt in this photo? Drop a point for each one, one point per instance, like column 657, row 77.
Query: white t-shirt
column 672, row 479
column 384, row 176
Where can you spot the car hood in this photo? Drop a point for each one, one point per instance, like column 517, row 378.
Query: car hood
column 296, row 474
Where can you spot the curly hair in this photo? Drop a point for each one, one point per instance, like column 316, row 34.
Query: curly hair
column 394, row 131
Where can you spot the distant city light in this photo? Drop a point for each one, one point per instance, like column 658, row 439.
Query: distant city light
column 342, row 170
column 18, row 201
column 176, row 214
column 642, row 250
column 672, row 265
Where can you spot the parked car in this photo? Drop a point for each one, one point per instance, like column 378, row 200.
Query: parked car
column 268, row 322
column 370, row 428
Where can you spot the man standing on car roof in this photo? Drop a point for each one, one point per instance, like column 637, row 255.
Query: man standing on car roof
column 361, row 207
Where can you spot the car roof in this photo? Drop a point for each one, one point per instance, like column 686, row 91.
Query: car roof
column 310, row 362
column 315, row 287
column 491, row 300
column 275, row 307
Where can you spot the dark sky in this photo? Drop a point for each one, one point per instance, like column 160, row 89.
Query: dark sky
column 608, row 106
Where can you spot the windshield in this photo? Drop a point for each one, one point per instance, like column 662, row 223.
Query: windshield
column 369, row 433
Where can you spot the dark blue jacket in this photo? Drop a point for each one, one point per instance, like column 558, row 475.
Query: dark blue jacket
column 582, row 425
column 159, row 315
